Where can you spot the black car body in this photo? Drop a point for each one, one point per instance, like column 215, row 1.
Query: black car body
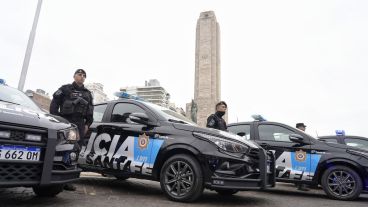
column 341, row 170
column 37, row 149
column 352, row 141
column 132, row 138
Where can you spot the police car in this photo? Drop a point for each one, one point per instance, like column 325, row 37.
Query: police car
column 133, row 138
column 37, row 150
column 342, row 171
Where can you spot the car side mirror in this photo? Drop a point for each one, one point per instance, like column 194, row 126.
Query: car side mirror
column 140, row 118
column 297, row 138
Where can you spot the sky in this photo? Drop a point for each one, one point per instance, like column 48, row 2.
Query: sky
column 291, row 61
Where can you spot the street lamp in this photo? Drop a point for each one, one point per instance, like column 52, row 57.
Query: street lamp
column 27, row 56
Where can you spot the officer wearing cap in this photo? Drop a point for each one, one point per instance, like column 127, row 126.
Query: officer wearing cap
column 301, row 126
column 215, row 120
column 74, row 102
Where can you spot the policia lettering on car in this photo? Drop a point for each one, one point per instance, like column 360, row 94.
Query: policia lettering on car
column 129, row 154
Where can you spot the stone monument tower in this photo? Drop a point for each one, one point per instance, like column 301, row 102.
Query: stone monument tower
column 207, row 88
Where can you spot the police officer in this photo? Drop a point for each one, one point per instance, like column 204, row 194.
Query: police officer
column 301, row 126
column 215, row 120
column 74, row 103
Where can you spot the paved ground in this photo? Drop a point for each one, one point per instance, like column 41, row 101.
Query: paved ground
column 99, row 191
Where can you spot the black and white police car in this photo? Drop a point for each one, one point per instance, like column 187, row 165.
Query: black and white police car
column 342, row 171
column 133, row 138
column 37, row 149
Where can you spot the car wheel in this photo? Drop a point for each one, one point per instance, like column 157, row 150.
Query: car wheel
column 226, row 192
column 48, row 191
column 181, row 178
column 341, row 183
column 121, row 177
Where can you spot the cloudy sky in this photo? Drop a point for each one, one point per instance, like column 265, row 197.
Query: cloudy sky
column 291, row 61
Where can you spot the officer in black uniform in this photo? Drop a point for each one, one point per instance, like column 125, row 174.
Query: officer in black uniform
column 75, row 103
column 215, row 120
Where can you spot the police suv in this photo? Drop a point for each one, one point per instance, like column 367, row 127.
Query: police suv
column 342, row 171
column 37, row 150
column 133, row 138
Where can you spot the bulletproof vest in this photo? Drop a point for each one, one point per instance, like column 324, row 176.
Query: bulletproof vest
column 75, row 102
column 221, row 124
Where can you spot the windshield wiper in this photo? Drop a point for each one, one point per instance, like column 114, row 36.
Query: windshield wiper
column 9, row 102
column 177, row 121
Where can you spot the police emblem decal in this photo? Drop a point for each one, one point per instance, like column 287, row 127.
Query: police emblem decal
column 300, row 156
column 143, row 140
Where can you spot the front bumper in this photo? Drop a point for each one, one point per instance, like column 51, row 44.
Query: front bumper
column 262, row 178
column 47, row 171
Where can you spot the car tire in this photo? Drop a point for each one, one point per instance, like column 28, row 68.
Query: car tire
column 184, row 171
column 48, row 191
column 226, row 192
column 341, row 183
column 121, row 177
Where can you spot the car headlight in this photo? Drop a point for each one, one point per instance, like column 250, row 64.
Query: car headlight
column 357, row 152
column 70, row 134
column 224, row 144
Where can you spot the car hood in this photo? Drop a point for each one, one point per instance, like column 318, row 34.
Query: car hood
column 216, row 132
column 17, row 114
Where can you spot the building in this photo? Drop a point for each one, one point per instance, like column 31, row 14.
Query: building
column 152, row 92
column 97, row 92
column 41, row 98
column 207, row 88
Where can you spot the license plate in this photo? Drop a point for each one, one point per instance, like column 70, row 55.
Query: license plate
column 21, row 153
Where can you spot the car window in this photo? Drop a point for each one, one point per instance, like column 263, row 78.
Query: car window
column 122, row 111
column 98, row 112
column 242, row 130
column 331, row 140
column 274, row 133
column 353, row 142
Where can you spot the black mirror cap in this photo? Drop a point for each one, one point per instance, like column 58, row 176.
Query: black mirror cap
column 296, row 138
column 142, row 118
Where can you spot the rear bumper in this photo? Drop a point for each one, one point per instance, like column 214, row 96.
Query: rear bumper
column 263, row 179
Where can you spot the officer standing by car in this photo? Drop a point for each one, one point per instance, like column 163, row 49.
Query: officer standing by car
column 302, row 127
column 74, row 102
column 215, row 120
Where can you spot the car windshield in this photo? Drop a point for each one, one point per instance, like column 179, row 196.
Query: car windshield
column 11, row 95
column 170, row 115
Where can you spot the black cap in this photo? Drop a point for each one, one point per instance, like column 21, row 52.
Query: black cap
column 300, row 125
column 81, row 71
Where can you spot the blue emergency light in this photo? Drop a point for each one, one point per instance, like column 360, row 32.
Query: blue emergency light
column 258, row 117
column 2, row 82
column 126, row 95
column 340, row 132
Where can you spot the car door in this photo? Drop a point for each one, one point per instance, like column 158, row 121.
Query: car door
column 293, row 160
column 120, row 144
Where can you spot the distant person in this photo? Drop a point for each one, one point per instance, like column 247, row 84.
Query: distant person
column 215, row 120
column 302, row 187
column 301, row 126
column 74, row 103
